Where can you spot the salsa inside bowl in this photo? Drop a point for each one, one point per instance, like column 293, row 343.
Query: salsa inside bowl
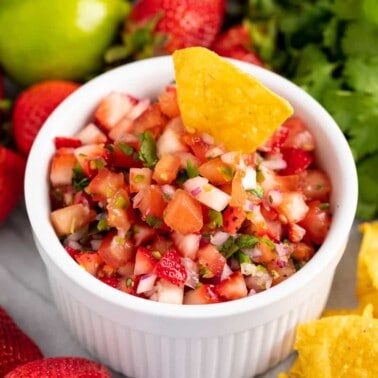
column 165, row 213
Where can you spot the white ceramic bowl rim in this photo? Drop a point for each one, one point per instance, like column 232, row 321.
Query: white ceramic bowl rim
column 36, row 201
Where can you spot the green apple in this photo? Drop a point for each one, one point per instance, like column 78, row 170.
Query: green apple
column 57, row 39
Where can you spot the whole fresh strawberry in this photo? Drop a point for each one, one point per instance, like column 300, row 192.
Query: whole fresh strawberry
column 12, row 170
column 60, row 367
column 33, row 106
column 156, row 27
column 237, row 43
column 16, row 348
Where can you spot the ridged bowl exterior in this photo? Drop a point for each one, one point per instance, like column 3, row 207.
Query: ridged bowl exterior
column 250, row 350
column 144, row 339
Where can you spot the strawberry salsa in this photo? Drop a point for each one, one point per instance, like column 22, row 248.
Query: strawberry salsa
column 163, row 213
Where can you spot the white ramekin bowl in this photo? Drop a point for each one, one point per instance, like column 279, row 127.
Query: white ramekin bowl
column 142, row 338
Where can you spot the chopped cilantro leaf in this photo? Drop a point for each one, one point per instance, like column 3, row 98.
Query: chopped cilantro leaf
column 79, row 180
column 147, row 152
column 228, row 248
column 246, row 241
column 216, row 219
column 125, row 148
column 153, row 221
column 191, row 170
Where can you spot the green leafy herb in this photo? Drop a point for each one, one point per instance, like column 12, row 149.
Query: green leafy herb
column 330, row 49
column 247, row 241
column 125, row 148
column 191, row 170
column 103, row 225
column 216, row 219
column 258, row 191
column 228, row 248
column 153, row 221
column 147, row 152
column 79, row 180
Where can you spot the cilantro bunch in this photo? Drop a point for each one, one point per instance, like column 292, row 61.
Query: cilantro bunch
column 330, row 49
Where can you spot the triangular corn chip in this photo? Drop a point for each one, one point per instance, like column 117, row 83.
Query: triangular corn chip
column 217, row 98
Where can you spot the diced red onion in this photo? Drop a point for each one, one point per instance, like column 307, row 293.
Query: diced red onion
column 272, row 198
column 196, row 191
column 248, row 205
column 231, row 158
column 95, row 244
column 249, row 180
column 252, row 252
column 73, row 244
column 192, row 275
column 207, row 138
column 219, row 238
column 146, row 283
column 138, row 199
column 214, row 152
column 226, row 272
column 275, row 162
column 77, row 235
column 168, row 190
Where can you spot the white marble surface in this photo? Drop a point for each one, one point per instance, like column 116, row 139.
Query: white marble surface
column 25, row 294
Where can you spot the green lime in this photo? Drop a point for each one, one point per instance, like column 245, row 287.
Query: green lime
column 56, row 39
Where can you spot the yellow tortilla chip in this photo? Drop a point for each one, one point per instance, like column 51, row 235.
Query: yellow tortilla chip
column 337, row 347
column 217, row 98
column 367, row 267
column 367, row 311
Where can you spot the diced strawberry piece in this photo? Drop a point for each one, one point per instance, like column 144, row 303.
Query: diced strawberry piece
column 187, row 245
column 233, row 218
column 61, row 169
column 16, row 348
column 124, row 152
column 70, row 219
column 111, row 281
column 299, row 136
column 139, row 178
column 293, row 207
column 90, row 261
column 142, row 233
column 297, row 160
column 66, row 142
column 68, row 367
column 166, row 169
column 216, row 171
column 232, row 287
column 267, row 252
column 122, row 127
column 92, row 158
column 198, row 146
column 203, row 294
column 170, row 140
column 144, row 261
column 183, row 213
column 112, row 108
column 151, row 119
column 91, row 134
column 211, row 260
column 105, row 184
column 315, row 185
column 295, row 232
column 168, row 102
column 302, row 252
column 117, row 209
column 275, row 141
column 115, row 250
column 138, row 108
column 316, row 222
column 150, row 202
column 169, row 267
